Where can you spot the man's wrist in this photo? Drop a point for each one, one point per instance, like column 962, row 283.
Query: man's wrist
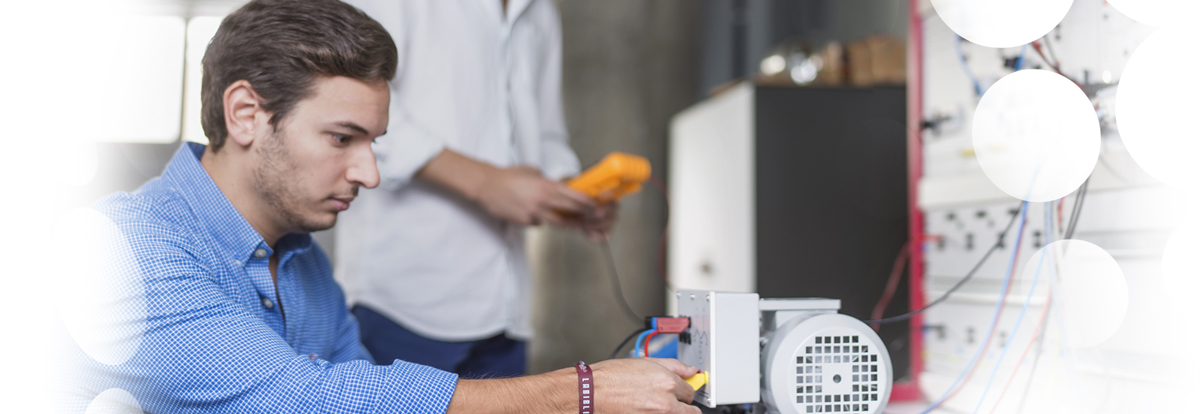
column 483, row 173
column 553, row 392
column 564, row 384
column 587, row 388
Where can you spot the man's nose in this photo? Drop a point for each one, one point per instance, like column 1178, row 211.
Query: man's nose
column 363, row 170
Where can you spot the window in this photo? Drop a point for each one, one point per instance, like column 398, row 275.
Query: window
column 139, row 69
column 134, row 88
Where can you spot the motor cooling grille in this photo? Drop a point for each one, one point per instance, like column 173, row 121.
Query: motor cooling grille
column 837, row 374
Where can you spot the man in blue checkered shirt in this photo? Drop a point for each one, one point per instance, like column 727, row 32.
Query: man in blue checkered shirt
column 233, row 307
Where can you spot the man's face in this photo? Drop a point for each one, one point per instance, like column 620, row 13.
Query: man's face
column 311, row 166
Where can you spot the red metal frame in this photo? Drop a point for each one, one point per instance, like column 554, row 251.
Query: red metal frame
column 911, row 390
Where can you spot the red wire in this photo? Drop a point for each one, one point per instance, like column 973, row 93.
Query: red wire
column 1037, row 46
column 892, row 284
column 1060, row 205
column 1032, row 340
column 995, row 321
column 646, row 347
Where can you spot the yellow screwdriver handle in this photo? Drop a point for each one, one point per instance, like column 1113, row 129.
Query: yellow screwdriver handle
column 698, row 380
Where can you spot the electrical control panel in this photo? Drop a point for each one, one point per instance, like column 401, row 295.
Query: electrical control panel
column 1125, row 213
column 722, row 341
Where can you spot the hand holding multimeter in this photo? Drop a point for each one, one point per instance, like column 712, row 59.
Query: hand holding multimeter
column 614, row 177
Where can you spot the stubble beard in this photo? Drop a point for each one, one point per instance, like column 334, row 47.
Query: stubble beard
column 282, row 195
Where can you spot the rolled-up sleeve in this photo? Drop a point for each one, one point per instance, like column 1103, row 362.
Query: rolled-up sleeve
column 406, row 147
column 404, row 150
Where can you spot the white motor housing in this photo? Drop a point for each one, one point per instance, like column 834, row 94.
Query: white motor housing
column 810, row 358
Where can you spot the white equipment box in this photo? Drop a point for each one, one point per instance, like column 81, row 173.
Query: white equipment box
column 722, row 341
column 792, row 355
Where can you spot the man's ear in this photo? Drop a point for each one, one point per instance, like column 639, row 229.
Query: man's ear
column 244, row 114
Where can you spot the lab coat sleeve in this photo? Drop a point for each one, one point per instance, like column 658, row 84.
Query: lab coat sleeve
column 406, row 147
column 558, row 159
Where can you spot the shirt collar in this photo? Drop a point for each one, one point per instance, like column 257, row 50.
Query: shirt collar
column 214, row 211
column 515, row 8
column 509, row 15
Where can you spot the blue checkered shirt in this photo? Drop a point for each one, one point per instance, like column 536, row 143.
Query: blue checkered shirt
column 215, row 340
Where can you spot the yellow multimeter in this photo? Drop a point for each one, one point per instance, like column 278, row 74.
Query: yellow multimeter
column 614, row 177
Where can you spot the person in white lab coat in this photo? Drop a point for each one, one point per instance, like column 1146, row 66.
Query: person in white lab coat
column 433, row 262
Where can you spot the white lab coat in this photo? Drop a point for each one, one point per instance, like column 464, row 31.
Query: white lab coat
column 483, row 83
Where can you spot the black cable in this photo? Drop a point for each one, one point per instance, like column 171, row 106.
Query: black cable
column 999, row 244
column 616, row 282
column 1050, row 51
column 1055, row 64
column 1047, row 60
column 622, row 345
column 1076, row 209
column 1042, row 54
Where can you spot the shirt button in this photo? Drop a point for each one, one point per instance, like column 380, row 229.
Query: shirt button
column 267, row 303
column 260, row 253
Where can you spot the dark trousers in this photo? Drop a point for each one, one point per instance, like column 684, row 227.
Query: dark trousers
column 387, row 341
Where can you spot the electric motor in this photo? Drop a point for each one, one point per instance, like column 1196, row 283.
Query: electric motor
column 791, row 355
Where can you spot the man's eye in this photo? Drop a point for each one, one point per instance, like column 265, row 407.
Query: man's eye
column 341, row 139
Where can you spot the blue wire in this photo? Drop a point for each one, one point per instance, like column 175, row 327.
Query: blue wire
column 1029, row 297
column 1020, row 59
column 637, row 347
column 962, row 58
column 999, row 305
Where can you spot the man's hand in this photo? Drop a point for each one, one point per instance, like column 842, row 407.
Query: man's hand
column 622, row 386
column 523, row 196
column 517, row 194
column 643, row 385
column 599, row 221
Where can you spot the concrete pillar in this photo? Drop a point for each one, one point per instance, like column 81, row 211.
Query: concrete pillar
column 628, row 66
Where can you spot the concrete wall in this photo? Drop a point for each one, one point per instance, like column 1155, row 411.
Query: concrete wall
column 628, row 65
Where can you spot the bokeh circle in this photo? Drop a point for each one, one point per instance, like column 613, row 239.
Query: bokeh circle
column 1036, row 135
column 1001, row 23
column 1092, row 291
column 1156, row 112
column 114, row 401
column 103, row 303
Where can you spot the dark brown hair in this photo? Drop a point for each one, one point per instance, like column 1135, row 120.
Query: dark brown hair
column 281, row 46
